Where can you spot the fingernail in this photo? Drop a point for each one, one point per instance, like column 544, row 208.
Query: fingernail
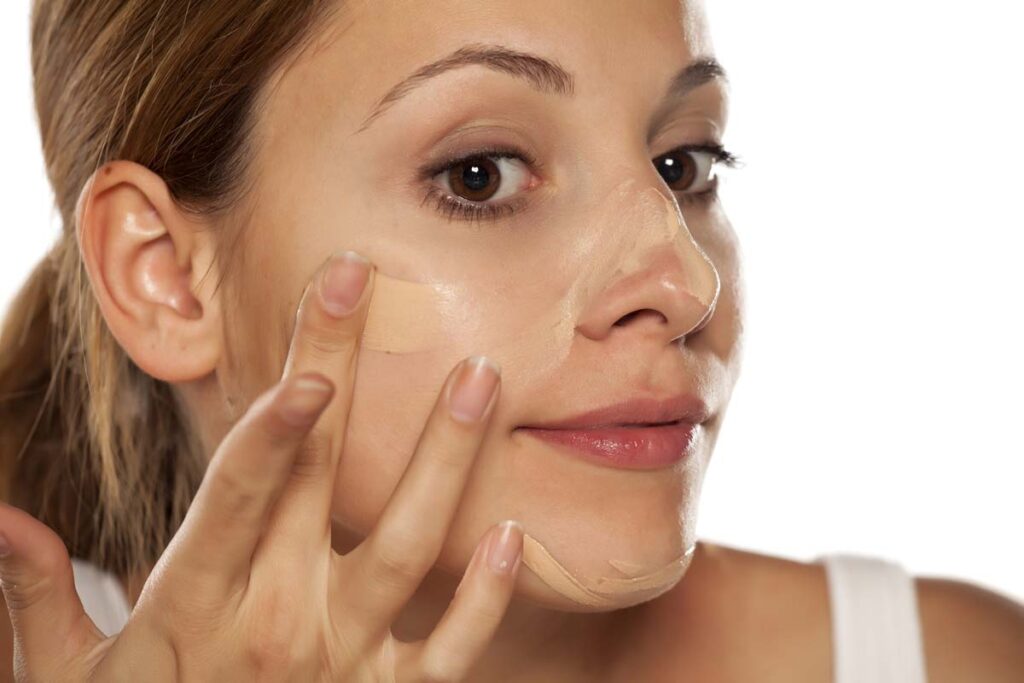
column 303, row 400
column 506, row 547
column 343, row 282
column 471, row 393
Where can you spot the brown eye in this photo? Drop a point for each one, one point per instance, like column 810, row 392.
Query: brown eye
column 481, row 177
column 475, row 179
column 690, row 170
column 679, row 169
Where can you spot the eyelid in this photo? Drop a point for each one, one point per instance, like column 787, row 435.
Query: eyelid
column 430, row 170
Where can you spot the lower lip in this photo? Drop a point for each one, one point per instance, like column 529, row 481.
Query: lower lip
column 636, row 448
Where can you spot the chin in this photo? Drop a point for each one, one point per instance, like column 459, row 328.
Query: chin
column 622, row 537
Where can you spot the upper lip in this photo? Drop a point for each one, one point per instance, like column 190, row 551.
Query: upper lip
column 637, row 411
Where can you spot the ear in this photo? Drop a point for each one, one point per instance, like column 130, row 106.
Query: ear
column 151, row 266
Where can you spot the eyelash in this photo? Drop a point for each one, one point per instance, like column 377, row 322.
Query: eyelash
column 452, row 208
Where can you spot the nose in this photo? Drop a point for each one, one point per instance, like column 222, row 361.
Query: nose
column 663, row 287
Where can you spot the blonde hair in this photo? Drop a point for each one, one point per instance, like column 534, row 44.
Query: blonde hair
column 90, row 444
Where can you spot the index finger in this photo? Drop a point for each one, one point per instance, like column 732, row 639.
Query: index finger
column 328, row 327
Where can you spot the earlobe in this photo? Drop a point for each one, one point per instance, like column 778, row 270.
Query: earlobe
column 145, row 258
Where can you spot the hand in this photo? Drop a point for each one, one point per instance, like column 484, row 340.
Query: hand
column 250, row 587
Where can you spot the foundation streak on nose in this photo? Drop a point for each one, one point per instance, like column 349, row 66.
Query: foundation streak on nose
column 657, row 220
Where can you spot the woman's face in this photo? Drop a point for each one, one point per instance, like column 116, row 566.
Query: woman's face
column 568, row 257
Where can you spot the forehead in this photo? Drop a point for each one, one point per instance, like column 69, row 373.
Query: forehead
column 368, row 46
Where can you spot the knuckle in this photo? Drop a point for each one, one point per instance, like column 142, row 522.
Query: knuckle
column 438, row 669
column 488, row 613
column 22, row 593
column 396, row 563
column 314, row 456
column 25, row 587
column 447, row 446
column 450, row 458
column 277, row 640
column 322, row 341
column 236, row 495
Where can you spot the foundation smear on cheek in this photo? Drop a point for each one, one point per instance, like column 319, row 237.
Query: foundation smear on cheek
column 405, row 316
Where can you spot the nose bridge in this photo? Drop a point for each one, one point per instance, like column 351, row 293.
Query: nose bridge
column 652, row 263
column 661, row 240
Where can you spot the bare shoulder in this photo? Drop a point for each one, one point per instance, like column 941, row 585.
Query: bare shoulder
column 970, row 632
column 749, row 616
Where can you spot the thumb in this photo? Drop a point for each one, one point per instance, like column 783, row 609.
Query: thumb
column 51, row 629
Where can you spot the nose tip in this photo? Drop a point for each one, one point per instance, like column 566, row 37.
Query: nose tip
column 665, row 285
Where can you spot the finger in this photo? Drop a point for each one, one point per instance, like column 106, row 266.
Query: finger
column 244, row 479
column 385, row 569
column 52, row 632
column 328, row 328
column 471, row 620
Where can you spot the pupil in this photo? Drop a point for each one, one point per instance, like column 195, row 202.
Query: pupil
column 476, row 177
column 672, row 170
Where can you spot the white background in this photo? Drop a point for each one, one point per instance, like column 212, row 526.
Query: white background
column 879, row 410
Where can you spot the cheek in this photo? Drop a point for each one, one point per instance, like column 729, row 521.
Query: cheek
column 392, row 399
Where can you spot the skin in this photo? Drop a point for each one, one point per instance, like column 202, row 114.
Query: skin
column 319, row 179
column 323, row 187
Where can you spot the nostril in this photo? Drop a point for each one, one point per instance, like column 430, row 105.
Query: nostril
column 643, row 312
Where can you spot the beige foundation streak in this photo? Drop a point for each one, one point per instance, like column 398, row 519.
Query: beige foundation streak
column 403, row 317
column 604, row 591
column 629, row 569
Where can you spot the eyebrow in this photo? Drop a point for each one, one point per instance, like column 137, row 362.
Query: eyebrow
column 542, row 74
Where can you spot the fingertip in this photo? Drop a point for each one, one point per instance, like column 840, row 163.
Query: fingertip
column 505, row 550
column 343, row 282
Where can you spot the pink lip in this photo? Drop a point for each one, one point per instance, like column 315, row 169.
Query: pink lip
column 643, row 447
column 638, row 434
column 638, row 411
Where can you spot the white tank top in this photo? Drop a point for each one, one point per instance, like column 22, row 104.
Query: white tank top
column 102, row 596
column 876, row 626
column 876, row 632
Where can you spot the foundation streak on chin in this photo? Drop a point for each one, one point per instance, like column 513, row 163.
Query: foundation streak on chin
column 604, row 591
column 407, row 317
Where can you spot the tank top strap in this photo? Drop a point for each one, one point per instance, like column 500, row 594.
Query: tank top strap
column 876, row 628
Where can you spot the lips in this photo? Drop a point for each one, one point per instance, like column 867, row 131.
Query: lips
column 636, row 412
column 642, row 433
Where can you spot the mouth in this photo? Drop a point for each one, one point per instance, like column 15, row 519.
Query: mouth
column 643, row 433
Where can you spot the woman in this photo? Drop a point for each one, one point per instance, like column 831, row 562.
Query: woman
column 527, row 186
